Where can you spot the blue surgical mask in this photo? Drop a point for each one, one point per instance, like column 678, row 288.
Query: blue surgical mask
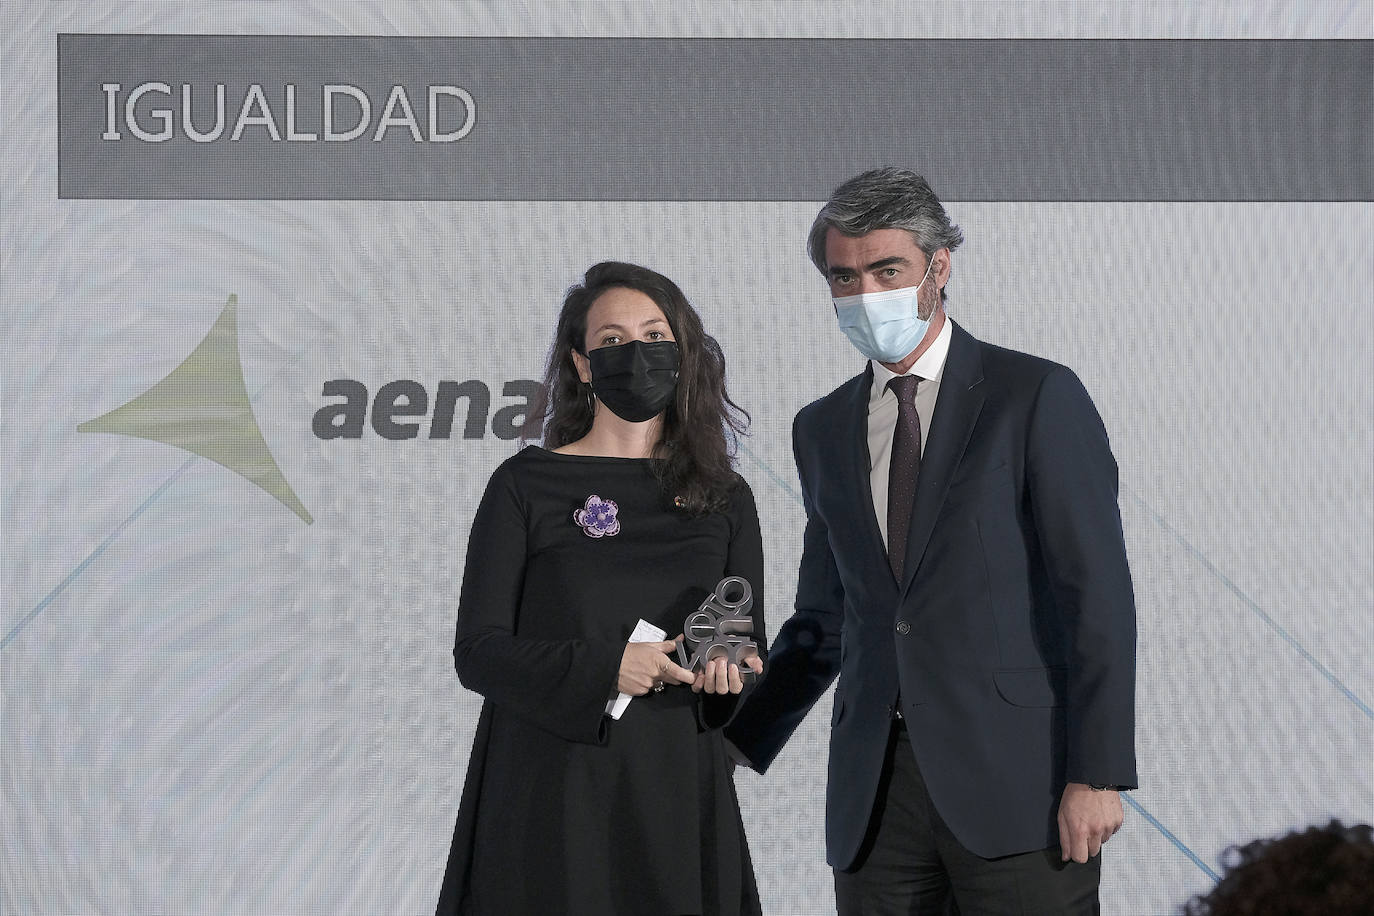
column 884, row 326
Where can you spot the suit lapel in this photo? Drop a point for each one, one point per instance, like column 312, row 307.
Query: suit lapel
column 956, row 411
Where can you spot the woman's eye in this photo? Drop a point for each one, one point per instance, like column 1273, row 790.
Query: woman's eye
column 610, row 340
column 655, row 335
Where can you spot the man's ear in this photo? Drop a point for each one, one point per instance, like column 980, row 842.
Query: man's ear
column 941, row 268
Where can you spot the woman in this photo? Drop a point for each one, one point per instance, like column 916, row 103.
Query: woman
column 631, row 510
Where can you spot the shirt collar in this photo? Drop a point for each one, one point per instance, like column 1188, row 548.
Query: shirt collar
column 929, row 365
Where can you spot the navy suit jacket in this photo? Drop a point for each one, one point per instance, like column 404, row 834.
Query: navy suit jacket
column 1011, row 640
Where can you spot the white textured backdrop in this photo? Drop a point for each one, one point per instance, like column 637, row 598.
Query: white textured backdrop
column 207, row 705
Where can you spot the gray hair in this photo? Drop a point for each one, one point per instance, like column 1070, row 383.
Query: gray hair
column 885, row 198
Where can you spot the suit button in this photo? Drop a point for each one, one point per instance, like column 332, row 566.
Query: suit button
column 903, row 628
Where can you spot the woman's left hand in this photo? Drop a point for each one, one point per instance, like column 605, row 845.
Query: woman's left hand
column 722, row 677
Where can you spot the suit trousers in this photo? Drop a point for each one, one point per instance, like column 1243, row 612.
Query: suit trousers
column 910, row 863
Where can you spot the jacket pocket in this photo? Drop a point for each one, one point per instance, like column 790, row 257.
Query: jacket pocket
column 1032, row 686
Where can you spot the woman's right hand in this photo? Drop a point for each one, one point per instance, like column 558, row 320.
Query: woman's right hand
column 645, row 665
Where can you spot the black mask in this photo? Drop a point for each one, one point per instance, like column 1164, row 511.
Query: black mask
column 635, row 380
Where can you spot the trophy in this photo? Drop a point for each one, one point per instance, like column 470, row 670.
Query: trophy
column 718, row 628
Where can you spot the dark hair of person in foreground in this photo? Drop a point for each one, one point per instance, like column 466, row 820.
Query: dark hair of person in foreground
column 1320, row 871
column 696, row 458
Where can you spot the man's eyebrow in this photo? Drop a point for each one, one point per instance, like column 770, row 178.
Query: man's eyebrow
column 888, row 262
column 895, row 260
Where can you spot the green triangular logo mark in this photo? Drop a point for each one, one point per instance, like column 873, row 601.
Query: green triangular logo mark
column 202, row 407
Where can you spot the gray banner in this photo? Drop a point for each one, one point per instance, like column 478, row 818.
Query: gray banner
column 312, row 117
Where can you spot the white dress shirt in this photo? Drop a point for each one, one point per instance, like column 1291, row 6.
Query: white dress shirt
column 882, row 414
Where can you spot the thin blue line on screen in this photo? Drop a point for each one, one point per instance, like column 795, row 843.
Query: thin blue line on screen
column 119, row 529
column 95, row 554
column 772, row 474
column 1253, row 606
column 1169, row 836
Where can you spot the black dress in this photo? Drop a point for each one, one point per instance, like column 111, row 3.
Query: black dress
column 565, row 810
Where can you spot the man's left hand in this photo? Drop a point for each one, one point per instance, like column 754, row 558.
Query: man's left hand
column 1087, row 818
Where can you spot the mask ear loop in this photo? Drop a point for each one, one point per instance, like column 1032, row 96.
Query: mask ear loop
column 686, row 394
column 586, row 386
column 930, row 265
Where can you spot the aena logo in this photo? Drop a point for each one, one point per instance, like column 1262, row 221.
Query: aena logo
column 203, row 407
column 398, row 408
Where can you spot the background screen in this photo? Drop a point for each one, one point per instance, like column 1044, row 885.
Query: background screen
column 228, row 607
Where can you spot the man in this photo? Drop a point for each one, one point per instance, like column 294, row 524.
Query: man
column 964, row 574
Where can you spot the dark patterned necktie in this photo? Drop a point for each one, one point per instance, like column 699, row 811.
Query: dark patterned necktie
column 906, row 464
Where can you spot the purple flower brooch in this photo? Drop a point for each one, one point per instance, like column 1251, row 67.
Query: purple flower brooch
column 597, row 518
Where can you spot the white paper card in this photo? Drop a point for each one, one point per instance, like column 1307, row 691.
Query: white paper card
column 643, row 632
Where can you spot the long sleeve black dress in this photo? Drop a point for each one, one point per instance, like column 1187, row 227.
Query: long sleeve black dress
column 564, row 809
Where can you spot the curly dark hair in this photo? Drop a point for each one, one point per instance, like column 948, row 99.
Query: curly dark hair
column 696, row 450
column 1321, row 871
